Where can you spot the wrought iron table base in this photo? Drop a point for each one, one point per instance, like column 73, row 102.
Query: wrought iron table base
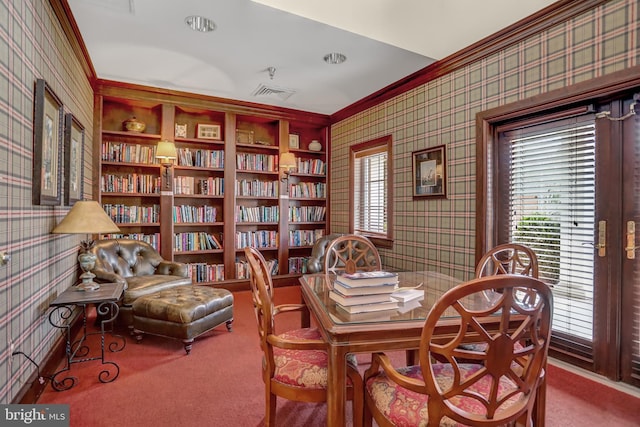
column 78, row 351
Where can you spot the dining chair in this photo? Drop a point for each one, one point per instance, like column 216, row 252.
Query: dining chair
column 351, row 253
column 492, row 387
column 295, row 362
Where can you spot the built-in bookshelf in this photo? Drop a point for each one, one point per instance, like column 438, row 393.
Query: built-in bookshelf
column 224, row 191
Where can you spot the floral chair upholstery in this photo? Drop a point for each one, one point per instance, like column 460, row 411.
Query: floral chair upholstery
column 295, row 362
column 492, row 387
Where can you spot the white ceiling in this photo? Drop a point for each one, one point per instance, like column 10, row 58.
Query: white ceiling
column 147, row 42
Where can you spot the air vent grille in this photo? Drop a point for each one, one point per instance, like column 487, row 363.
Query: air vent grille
column 273, row 92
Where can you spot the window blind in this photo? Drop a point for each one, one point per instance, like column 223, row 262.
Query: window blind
column 549, row 194
column 370, row 182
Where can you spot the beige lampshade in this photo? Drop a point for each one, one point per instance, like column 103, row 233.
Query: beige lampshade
column 86, row 217
column 166, row 151
column 288, row 161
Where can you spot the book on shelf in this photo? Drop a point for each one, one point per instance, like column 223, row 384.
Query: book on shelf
column 367, row 308
column 368, row 278
column 344, row 289
column 358, row 299
column 404, row 295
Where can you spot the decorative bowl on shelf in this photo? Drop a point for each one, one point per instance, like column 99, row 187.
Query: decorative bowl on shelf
column 315, row 145
column 134, row 125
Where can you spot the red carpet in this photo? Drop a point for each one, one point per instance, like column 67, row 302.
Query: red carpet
column 220, row 385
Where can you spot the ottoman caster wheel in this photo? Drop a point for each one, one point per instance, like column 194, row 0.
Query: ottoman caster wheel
column 187, row 346
column 228, row 324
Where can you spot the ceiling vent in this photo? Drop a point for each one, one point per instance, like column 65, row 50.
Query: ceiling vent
column 275, row 92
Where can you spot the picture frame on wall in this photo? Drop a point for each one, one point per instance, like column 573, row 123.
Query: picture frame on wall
column 73, row 159
column 430, row 172
column 206, row 131
column 47, row 145
column 294, row 141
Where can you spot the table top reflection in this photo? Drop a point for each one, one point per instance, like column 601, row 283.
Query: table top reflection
column 433, row 284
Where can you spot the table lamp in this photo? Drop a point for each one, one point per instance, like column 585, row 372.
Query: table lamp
column 166, row 153
column 86, row 217
column 287, row 164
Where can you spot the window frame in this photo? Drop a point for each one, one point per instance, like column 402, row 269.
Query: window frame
column 384, row 144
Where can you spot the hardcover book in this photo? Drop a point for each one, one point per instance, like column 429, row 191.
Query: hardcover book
column 367, row 308
column 358, row 299
column 368, row 278
column 344, row 289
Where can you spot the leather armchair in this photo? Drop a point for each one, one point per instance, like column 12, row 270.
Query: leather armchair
column 140, row 267
column 315, row 264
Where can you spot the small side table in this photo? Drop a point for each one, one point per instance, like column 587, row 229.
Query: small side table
column 106, row 300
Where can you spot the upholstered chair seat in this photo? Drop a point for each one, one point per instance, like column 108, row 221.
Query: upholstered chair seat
column 404, row 407
column 304, row 368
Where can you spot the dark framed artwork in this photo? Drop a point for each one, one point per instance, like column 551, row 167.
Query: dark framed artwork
column 73, row 159
column 430, row 172
column 47, row 146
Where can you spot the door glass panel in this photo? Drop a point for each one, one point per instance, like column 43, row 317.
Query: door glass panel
column 551, row 202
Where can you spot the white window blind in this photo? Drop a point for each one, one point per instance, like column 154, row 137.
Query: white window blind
column 370, row 191
column 551, row 203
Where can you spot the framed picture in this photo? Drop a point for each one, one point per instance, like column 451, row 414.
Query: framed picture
column 244, row 136
column 181, row 130
column 430, row 172
column 47, row 146
column 208, row 131
column 73, row 159
column 294, row 141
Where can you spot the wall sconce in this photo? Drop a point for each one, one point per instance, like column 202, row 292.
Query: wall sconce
column 166, row 153
column 287, row 165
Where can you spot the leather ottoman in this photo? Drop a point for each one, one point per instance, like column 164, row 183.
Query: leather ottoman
column 183, row 312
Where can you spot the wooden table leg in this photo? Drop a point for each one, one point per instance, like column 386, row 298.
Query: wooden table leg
column 336, row 386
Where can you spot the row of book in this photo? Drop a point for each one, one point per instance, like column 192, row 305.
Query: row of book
column 152, row 239
column 299, row 238
column 202, row 272
column 201, row 158
column 197, row 241
column 311, row 166
column 257, row 239
column 298, row 265
column 257, row 162
column 308, row 190
column 129, row 183
column 307, row 213
column 243, row 269
column 206, row 186
column 128, row 153
column 257, row 214
column 124, row 214
column 194, row 214
column 371, row 291
column 256, row 188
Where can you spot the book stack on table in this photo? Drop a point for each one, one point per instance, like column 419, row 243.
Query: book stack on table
column 365, row 292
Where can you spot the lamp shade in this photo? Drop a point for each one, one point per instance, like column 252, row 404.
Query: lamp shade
column 165, row 151
column 288, row 161
column 86, row 217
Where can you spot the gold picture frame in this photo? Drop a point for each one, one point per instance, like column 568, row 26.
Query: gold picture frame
column 47, row 146
column 181, row 130
column 294, row 141
column 73, row 159
column 244, row 136
column 430, row 172
column 208, row 131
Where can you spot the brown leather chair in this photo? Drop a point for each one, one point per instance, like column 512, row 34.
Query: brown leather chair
column 140, row 267
column 315, row 263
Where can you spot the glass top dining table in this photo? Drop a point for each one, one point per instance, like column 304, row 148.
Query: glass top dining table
column 387, row 330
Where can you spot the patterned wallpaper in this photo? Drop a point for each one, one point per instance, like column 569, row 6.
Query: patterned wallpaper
column 440, row 234
column 32, row 46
